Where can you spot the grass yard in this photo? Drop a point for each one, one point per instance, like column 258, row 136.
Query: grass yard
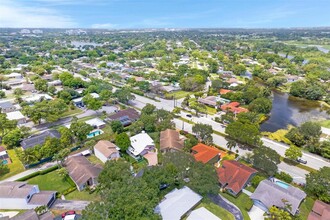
column 216, row 210
column 180, row 94
column 94, row 160
column 50, row 181
column 15, row 167
column 306, row 207
column 211, row 111
column 83, row 195
column 325, row 123
column 242, row 202
column 71, row 112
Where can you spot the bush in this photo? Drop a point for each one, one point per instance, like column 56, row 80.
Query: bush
column 248, row 205
column 42, row 172
column 256, row 180
column 284, row 176
column 69, row 190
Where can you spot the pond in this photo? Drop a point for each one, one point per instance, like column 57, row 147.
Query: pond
column 288, row 110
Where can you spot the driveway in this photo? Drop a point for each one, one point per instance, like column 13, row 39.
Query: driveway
column 69, row 205
column 222, row 202
column 256, row 213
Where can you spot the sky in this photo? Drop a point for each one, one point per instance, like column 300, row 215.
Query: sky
column 122, row 14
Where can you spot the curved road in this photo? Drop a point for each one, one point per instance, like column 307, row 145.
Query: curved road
column 222, row 202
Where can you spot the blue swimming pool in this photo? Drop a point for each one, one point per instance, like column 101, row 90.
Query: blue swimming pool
column 94, row 133
column 4, row 162
column 282, row 184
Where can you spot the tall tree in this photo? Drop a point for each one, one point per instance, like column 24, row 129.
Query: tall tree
column 318, row 184
column 203, row 132
column 266, row 159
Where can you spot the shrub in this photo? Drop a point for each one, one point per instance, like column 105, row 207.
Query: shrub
column 256, row 180
column 42, row 172
column 248, row 205
column 284, row 176
column 69, row 190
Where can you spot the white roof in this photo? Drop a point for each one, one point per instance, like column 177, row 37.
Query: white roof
column 177, row 203
column 3, row 153
column 17, row 115
column 202, row 214
column 37, row 97
column 139, row 142
column 95, row 122
column 95, row 95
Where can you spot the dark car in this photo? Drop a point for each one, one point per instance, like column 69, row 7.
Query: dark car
column 164, row 186
column 299, row 160
column 189, row 115
column 71, row 212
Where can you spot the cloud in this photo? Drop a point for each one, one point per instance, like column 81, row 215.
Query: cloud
column 15, row 15
column 104, row 26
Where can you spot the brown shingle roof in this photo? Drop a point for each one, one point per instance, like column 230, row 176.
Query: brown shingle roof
column 130, row 112
column 42, row 198
column 81, row 170
column 14, row 189
column 320, row 211
column 234, row 175
column 170, row 139
column 106, row 148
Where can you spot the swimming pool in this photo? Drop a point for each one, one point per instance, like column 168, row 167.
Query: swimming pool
column 94, row 133
column 282, row 184
column 4, row 162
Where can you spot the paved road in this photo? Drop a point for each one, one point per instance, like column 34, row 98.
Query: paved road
column 69, row 205
column 224, row 203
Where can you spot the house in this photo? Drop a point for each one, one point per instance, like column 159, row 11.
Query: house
column 126, row 116
column 170, row 141
column 20, row 195
column 32, row 215
column 141, row 144
column 16, row 115
column 37, row 98
column 224, row 91
column 177, row 203
column 202, row 214
column 82, row 172
column 234, row 176
column 279, row 194
column 320, row 211
column 27, row 87
column 6, row 107
column 105, row 150
column 96, row 123
column 207, row 154
column 4, row 156
column 233, row 107
column 39, row 138
column 210, row 100
column 78, row 102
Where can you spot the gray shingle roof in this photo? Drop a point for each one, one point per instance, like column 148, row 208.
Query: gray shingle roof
column 271, row 194
column 5, row 105
column 39, row 138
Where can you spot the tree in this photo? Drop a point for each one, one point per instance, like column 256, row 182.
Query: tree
column 105, row 95
column 18, row 92
column 2, row 94
column 62, row 172
column 293, row 152
column 295, row 137
column 203, row 132
column 318, row 184
column 41, row 85
column 122, row 141
column 278, row 214
column 117, row 127
column 261, row 105
column 310, row 130
column 61, row 155
column 80, row 129
column 3, row 169
column 92, row 103
column 67, row 137
column 244, row 132
column 6, row 125
column 266, row 159
column 13, row 138
column 124, row 95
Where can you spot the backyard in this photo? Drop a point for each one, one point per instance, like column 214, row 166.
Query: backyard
column 15, row 167
column 83, row 195
column 216, row 210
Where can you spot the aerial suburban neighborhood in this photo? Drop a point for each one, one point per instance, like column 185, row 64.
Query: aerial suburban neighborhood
column 164, row 123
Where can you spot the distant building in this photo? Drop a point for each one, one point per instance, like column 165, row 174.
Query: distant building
column 39, row 138
column 6, row 107
column 105, row 150
column 170, row 141
column 177, row 203
column 82, row 172
column 20, row 195
column 233, row 107
column 16, row 115
column 126, row 116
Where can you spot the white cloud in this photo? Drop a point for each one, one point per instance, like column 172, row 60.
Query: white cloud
column 21, row 16
column 104, row 26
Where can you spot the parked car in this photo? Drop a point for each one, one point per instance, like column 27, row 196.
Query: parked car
column 71, row 212
column 189, row 115
column 299, row 160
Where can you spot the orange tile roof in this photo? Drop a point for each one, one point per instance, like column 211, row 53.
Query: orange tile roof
column 233, row 107
column 204, row 153
column 224, row 91
column 234, row 175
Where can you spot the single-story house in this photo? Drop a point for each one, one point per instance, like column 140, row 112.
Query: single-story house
column 39, row 138
column 234, row 176
column 96, row 123
column 141, row 144
column 202, row 214
column 16, row 115
column 269, row 194
column 32, row 215
column 126, row 116
column 20, row 195
column 210, row 100
column 207, row 154
column 79, row 101
column 224, row 91
column 170, row 141
column 177, row 203
column 82, row 172
column 54, row 83
column 233, row 107
column 105, row 150
column 6, row 107
column 27, row 87
column 37, row 98
column 320, row 211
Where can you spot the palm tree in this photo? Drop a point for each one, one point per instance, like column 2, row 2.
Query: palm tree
column 231, row 144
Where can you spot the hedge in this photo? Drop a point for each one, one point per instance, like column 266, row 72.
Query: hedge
column 69, row 190
column 37, row 173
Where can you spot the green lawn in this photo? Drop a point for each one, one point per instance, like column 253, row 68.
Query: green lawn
column 15, row 167
column 242, row 202
column 71, row 112
column 180, row 94
column 50, row 181
column 83, row 195
column 325, row 123
column 211, row 111
column 306, row 207
column 216, row 210
column 94, row 160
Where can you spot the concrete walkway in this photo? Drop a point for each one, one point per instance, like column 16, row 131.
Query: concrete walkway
column 256, row 213
column 247, row 192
